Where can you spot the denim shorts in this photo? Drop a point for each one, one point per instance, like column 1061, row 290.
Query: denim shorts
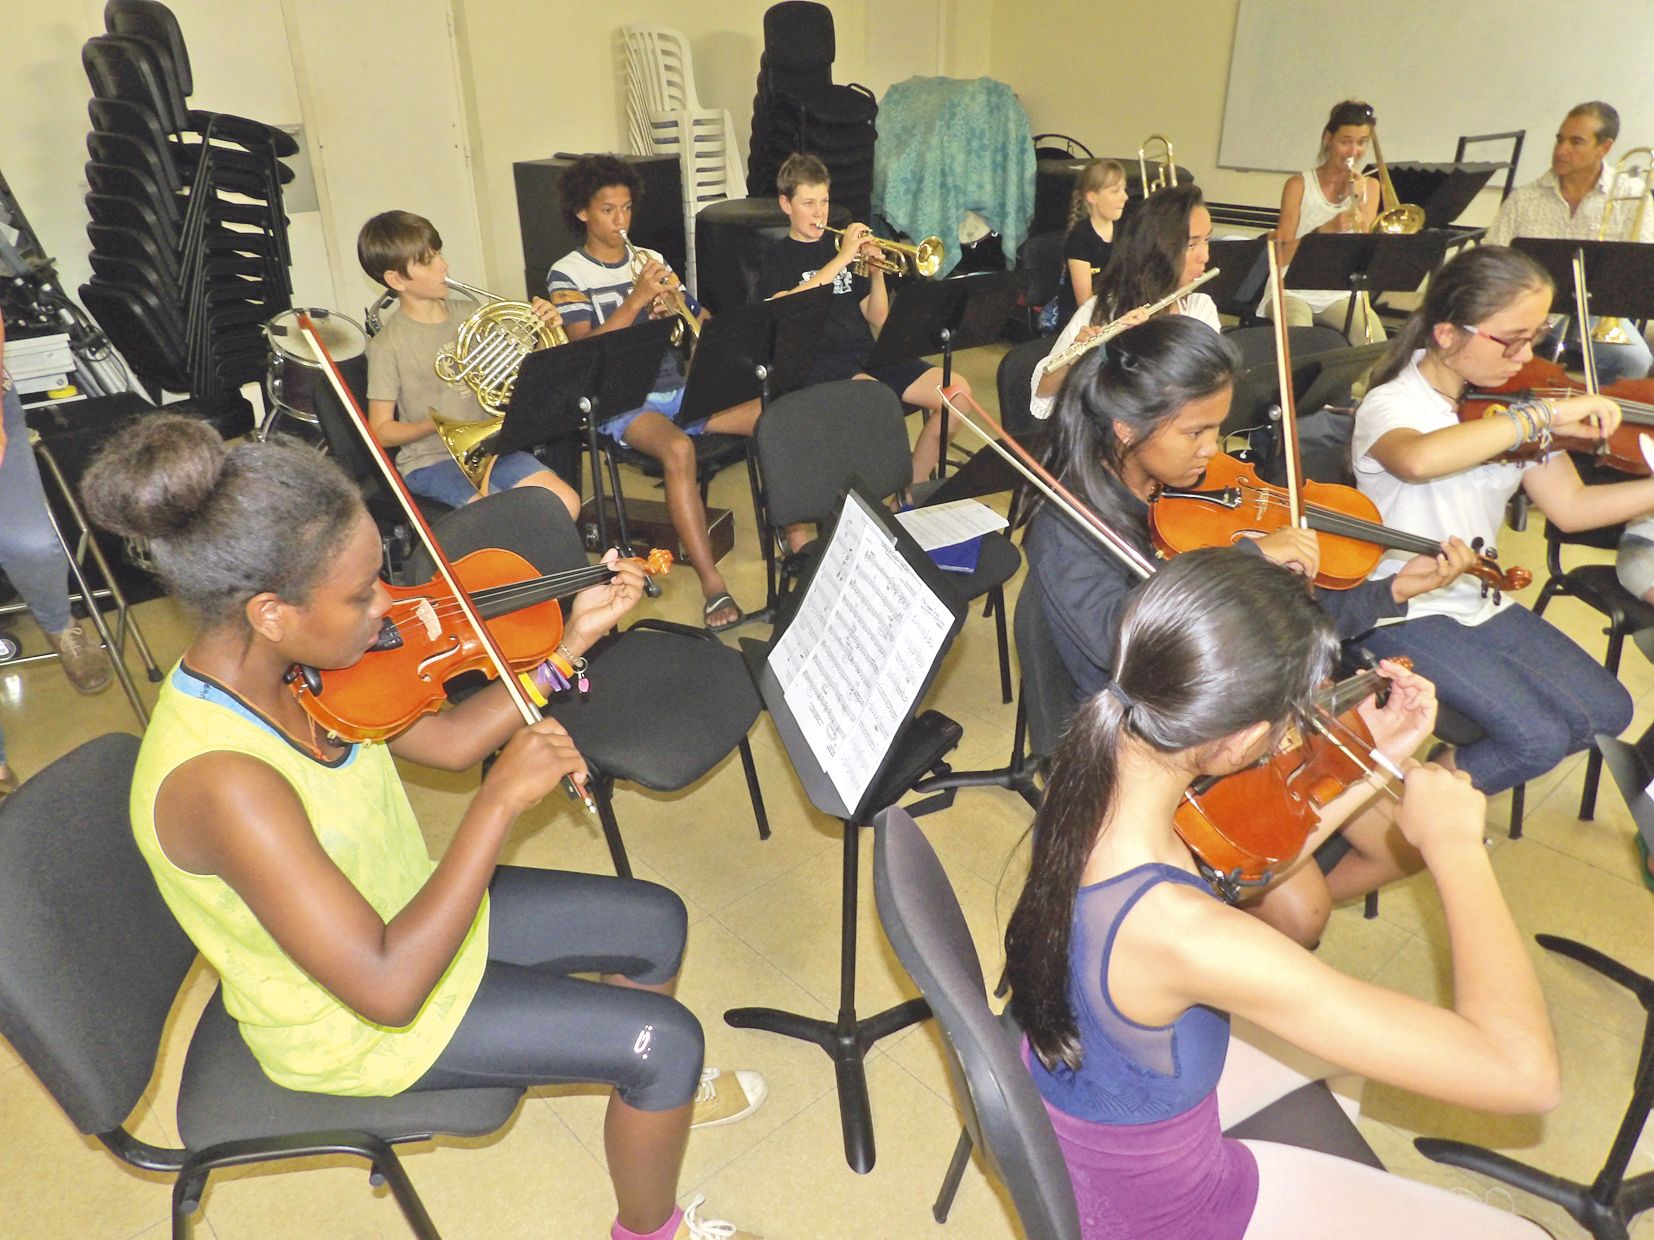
column 446, row 483
column 666, row 404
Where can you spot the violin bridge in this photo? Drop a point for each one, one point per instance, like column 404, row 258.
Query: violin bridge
column 425, row 613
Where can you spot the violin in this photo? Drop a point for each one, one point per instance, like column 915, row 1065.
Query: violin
column 1232, row 503
column 1622, row 450
column 1242, row 827
column 425, row 641
column 1239, row 827
column 464, row 614
column 1628, row 448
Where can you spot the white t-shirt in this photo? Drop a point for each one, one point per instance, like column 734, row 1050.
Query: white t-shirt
column 1196, row 306
column 1470, row 503
column 1313, row 211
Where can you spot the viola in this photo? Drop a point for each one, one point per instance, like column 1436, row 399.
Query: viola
column 1242, row 826
column 1622, row 450
column 425, row 641
column 1232, row 503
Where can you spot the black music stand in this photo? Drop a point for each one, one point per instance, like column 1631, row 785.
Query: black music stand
column 898, row 619
column 1619, row 274
column 750, row 352
column 1442, row 190
column 575, row 386
column 944, row 315
column 1242, row 267
column 987, row 472
column 1371, row 263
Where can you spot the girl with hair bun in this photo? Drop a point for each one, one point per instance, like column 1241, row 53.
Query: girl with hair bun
column 1144, row 412
column 1123, row 991
column 1532, row 690
column 354, row 964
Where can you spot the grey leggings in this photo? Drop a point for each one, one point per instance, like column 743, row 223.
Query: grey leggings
column 29, row 552
column 530, row 1024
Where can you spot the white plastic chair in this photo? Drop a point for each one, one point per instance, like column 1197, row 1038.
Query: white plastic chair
column 664, row 117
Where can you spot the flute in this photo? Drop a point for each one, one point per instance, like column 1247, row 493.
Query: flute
column 1080, row 348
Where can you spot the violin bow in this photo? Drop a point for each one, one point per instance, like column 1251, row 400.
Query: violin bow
column 1289, row 408
column 1042, row 480
column 393, row 481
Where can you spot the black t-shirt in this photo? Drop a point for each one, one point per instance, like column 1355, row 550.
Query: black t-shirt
column 1082, row 245
column 846, row 340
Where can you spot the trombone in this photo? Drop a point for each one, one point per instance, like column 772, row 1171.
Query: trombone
column 1165, row 176
column 1612, row 330
column 894, row 256
column 1395, row 217
column 486, row 357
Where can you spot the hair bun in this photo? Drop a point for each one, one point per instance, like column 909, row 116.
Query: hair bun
column 152, row 479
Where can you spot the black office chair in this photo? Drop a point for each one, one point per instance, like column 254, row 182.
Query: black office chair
column 809, row 445
column 90, row 963
column 1599, row 588
column 667, row 702
column 1014, row 383
column 1003, row 1113
column 1607, row 1205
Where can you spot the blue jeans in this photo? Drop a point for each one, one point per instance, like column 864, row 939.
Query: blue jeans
column 1537, row 695
column 30, row 553
column 447, row 483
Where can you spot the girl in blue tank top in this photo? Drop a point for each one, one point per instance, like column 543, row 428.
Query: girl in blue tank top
column 1124, row 968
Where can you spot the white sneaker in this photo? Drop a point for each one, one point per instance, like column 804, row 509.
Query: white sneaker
column 725, row 1097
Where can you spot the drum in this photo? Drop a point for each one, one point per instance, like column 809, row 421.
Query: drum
column 294, row 375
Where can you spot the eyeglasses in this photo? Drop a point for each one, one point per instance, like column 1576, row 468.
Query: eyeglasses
column 1511, row 347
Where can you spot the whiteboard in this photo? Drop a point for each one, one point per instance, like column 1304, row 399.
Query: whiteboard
column 1432, row 71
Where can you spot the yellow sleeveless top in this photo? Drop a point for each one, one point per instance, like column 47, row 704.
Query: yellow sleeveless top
column 302, row 1036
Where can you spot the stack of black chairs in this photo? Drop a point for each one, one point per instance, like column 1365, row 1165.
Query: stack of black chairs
column 798, row 108
column 189, row 241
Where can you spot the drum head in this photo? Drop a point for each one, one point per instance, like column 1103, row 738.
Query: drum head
column 343, row 338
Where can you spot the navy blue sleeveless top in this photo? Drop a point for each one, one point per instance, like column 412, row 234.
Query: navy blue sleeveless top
column 1129, row 1073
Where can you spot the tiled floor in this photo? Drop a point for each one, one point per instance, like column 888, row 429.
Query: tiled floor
column 763, row 931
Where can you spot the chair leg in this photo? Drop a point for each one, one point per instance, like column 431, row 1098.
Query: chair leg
column 754, row 791
column 1369, row 909
column 997, row 597
column 389, row 1169
column 1518, row 799
column 955, row 1173
column 602, row 790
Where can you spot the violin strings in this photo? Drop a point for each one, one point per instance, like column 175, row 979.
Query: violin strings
column 1335, row 522
column 550, row 586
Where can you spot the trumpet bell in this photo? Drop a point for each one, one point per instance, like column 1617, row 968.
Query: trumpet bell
column 927, row 256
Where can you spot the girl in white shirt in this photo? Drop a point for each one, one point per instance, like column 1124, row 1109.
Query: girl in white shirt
column 1158, row 249
column 1331, row 197
column 1538, row 696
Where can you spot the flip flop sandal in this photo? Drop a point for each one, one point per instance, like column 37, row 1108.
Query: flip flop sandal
column 717, row 603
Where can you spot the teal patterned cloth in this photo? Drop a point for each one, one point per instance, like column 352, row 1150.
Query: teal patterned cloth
column 947, row 146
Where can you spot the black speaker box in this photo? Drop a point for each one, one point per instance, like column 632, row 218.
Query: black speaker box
column 657, row 220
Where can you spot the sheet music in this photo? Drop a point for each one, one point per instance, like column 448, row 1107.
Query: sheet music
column 857, row 653
column 943, row 525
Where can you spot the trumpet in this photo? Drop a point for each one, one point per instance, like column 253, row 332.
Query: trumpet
column 1395, row 217
column 894, row 256
column 486, row 357
column 686, row 332
column 1080, row 348
column 1165, row 176
column 1612, row 330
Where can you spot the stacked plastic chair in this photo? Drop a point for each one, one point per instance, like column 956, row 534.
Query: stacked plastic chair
column 189, row 241
column 798, row 108
column 664, row 117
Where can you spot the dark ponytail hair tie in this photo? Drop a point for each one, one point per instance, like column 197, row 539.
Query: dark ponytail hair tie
column 1119, row 694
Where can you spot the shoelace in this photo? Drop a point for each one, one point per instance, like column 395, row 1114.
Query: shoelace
column 706, row 1228
column 707, row 1091
column 72, row 641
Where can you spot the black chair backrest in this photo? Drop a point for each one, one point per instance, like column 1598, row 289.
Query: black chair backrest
column 90, row 957
column 528, row 520
column 1015, row 378
column 1042, row 254
column 1002, row 1107
column 799, row 40
column 810, row 443
column 153, row 22
column 1049, row 694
